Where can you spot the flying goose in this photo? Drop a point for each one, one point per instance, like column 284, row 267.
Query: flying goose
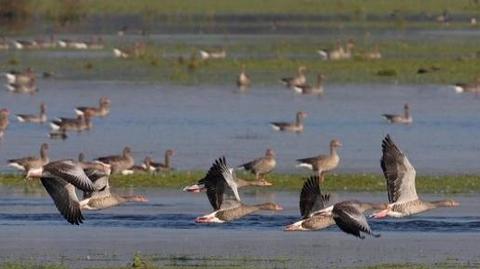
column 102, row 198
column 402, row 194
column 60, row 178
column 101, row 111
column 299, row 79
column 31, row 162
column 312, row 200
column 4, row 113
column 317, row 89
column 40, row 118
column 323, row 163
column 348, row 215
column 243, row 80
column 219, row 180
column 406, row 118
column 119, row 162
column 296, row 126
column 261, row 166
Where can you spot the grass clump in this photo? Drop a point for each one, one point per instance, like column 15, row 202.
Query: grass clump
column 286, row 182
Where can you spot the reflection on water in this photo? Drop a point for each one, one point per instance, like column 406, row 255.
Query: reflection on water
column 204, row 122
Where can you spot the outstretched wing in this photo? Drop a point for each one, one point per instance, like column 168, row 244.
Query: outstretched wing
column 65, row 198
column 350, row 220
column 311, row 198
column 398, row 172
column 69, row 171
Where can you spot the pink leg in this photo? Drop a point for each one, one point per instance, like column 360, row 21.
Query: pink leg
column 380, row 214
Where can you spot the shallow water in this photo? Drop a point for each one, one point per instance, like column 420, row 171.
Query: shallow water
column 204, row 122
column 164, row 228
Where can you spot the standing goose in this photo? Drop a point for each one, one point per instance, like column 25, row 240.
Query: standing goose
column 323, row 163
column 4, row 113
column 119, row 162
column 296, row 126
column 317, row 89
column 142, row 168
column 80, row 123
column 161, row 167
column 299, row 79
column 221, row 178
column 243, row 80
column 60, row 178
column 402, row 194
column 101, row 111
column 31, row 162
column 406, row 118
column 261, row 166
column 40, row 118
column 312, row 200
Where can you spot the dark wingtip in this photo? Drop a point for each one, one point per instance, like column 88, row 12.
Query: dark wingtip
column 376, row 235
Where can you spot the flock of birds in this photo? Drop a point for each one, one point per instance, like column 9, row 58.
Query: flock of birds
column 62, row 178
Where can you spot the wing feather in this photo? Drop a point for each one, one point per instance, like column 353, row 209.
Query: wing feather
column 65, row 199
column 398, row 172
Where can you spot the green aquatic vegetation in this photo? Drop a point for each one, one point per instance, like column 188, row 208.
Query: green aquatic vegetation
column 288, row 182
column 356, row 9
column 447, row 62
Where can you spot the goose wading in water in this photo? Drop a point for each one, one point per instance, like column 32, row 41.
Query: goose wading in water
column 317, row 89
column 243, row 79
column 119, row 162
column 261, row 166
column 101, row 111
column 4, row 122
column 323, row 163
column 31, row 162
column 402, row 194
column 472, row 87
column 222, row 193
column 40, row 118
column 78, row 124
column 296, row 127
column 299, row 79
column 406, row 118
